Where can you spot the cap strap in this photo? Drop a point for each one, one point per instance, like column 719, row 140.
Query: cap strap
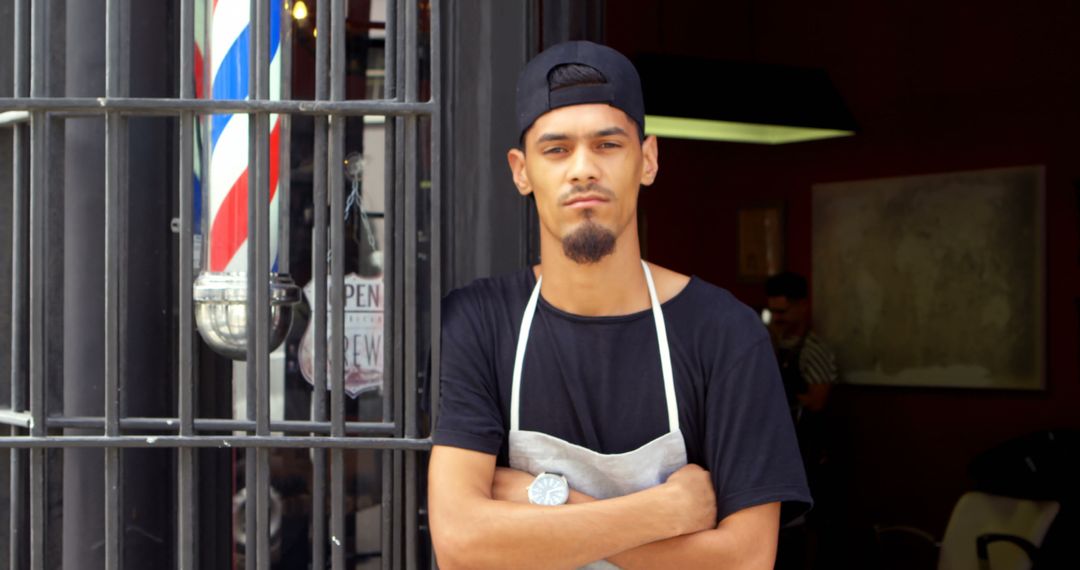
column 579, row 94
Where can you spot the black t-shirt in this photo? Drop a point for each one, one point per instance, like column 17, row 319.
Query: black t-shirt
column 596, row 382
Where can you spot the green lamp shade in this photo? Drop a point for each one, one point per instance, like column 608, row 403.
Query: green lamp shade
column 730, row 131
column 706, row 99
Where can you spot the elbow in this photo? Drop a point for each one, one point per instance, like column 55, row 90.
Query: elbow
column 760, row 562
column 451, row 545
column 470, row 550
column 746, row 558
column 742, row 547
column 450, row 555
column 458, row 546
column 758, row 556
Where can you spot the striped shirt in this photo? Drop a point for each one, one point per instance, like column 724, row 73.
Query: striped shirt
column 817, row 363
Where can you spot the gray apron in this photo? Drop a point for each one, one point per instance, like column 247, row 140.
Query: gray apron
column 596, row 474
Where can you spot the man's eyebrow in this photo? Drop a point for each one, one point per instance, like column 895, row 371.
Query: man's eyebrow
column 610, row 131
column 548, row 137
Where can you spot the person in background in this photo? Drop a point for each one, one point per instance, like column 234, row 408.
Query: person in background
column 808, row 368
column 807, row 364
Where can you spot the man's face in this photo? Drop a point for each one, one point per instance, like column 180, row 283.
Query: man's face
column 584, row 164
column 788, row 321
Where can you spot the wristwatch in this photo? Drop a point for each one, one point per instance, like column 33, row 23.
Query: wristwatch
column 549, row 489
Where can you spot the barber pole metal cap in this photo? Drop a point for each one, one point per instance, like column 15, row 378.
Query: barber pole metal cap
column 221, row 311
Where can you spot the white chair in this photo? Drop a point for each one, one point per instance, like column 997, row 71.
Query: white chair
column 989, row 532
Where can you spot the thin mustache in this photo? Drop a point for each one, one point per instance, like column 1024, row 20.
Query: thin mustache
column 591, row 187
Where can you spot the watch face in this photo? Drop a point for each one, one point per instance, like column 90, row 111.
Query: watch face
column 549, row 490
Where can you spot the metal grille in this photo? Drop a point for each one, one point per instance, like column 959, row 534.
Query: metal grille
column 412, row 285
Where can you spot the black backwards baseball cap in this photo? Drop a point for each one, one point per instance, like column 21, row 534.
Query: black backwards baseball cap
column 622, row 90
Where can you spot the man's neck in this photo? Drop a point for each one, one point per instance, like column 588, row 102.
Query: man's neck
column 615, row 285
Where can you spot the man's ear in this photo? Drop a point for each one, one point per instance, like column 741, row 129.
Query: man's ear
column 650, row 163
column 515, row 157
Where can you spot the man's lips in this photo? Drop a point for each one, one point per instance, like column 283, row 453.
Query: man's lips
column 585, row 201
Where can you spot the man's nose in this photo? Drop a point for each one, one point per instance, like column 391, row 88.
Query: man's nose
column 583, row 167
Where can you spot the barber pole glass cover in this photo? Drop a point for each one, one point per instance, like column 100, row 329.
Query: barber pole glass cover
column 221, row 289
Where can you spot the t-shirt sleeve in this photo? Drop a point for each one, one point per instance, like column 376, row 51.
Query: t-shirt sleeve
column 469, row 414
column 750, row 445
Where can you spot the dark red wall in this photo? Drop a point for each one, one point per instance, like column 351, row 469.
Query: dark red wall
column 936, row 87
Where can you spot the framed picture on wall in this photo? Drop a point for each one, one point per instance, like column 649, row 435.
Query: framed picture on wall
column 935, row 280
column 761, row 242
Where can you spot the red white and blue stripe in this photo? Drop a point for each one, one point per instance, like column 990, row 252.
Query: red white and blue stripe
column 200, row 141
column 230, row 58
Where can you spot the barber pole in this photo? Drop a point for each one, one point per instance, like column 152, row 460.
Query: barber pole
column 230, row 60
column 220, row 291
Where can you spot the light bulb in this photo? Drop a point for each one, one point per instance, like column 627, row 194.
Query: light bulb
column 300, row 11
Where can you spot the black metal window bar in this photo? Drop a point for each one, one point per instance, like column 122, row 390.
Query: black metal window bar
column 412, row 257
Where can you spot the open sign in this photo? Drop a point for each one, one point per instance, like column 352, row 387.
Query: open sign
column 363, row 343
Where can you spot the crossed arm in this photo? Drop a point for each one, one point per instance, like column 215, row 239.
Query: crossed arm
column 480, row 518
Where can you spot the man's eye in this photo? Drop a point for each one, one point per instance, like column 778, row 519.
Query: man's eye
column 554, row 150
column 609, row 144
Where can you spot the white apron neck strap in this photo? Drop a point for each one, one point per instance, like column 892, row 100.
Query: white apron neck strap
column 661, row 339
column 665, row 353
column 519, row 354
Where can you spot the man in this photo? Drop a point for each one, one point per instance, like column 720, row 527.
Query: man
column 808, row 369
column 807, row 364
column 597, row 410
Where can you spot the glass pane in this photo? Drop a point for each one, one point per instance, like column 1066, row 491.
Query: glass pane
column 292, row 482
column 216, row 486
column 149, row 525
column 148, row 264
column 365, row 35
column 149, row 521
column 363, row 178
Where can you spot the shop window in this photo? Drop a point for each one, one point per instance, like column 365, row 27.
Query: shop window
column 163, row 407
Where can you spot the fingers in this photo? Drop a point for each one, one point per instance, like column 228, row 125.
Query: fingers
column 695, row 497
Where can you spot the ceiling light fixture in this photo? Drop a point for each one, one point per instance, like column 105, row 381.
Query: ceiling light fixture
column 706, row 99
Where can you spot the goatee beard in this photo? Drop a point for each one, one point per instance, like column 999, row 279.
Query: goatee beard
column 589, row 243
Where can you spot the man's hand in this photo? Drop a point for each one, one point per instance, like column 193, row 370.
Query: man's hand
column 692, row 495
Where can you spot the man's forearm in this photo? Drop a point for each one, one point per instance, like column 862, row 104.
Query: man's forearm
column 487, row 533
column 717, row 548
column 705, row 549
column 815, row 398
column 744, row 540
column 480, row 516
